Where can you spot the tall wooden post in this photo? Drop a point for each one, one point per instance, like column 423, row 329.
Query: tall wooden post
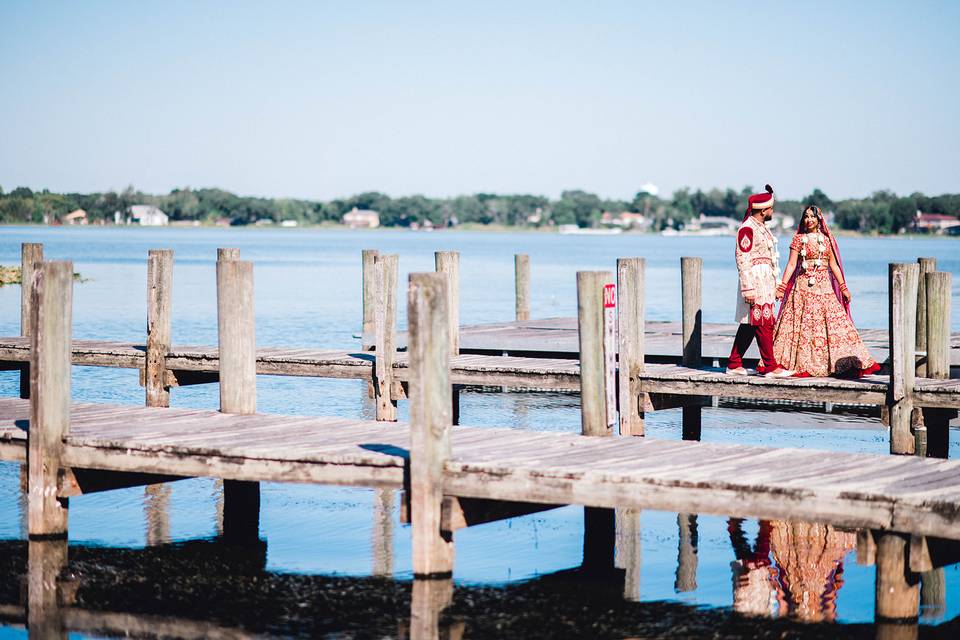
column 51, row 317
column 691, row 275
column 238, row 386
column 897, row 588
column 938, row 285
column 903, row 302
column 448, row 262
column 369, row 257
column 385, row 331
column 159, row 304
column 46, row 559
column 927, row 265
column 430, row 419
column 596, row 308
column 31, row 256
column 227, row 253
column 630, row 332
column 521, row 278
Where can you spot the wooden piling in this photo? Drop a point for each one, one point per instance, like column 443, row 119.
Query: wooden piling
column 691, row 276
column 428, row 324
column 385, row 332
column 159, row 305
column 926, row 265
column 630, row 332
column 31, row 256
column 521, row 278
column 238, row 384
column 938, row 287
column 902, row 332
column 596, row 378
column 897, row 588
column 227, row 253
column 51, row 317
column 448, row 262
column 369, row 257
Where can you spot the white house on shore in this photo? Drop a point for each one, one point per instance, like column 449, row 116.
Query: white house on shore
column 361, row 219
column 147, row 215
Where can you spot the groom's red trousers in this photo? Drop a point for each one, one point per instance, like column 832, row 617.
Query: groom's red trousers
column 741, row 343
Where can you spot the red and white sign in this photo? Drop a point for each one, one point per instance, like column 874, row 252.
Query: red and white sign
column 609, row 296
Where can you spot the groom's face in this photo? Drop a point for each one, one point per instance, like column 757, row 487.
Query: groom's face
column 767, row 213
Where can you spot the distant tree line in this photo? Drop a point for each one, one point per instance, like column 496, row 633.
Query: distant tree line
column 882, row 212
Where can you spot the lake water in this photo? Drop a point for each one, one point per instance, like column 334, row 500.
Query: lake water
column 307, row 285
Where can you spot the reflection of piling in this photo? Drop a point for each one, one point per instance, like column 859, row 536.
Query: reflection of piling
column 383, row 532
column 238, row 385
column 45, row 560
column 691, row 275
column 629, row 551
column 156, row 504
column 933, row 594
column 686, row 579
column 897, row 587
column 427, row 602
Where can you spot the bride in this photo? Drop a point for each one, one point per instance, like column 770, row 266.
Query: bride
column 815, row 334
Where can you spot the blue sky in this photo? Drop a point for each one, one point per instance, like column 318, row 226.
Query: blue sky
column 320, row 100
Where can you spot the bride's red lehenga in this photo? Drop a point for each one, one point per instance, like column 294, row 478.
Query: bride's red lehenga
column 815, row 335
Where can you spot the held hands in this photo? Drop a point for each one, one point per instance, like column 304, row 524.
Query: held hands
column 781, row 289
column 749, row 298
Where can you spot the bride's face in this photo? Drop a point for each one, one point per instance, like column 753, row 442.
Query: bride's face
column 810, row 222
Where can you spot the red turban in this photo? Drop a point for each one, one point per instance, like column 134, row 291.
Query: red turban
column 759, row 201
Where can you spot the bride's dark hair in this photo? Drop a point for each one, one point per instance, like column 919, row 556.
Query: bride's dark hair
column 821, row 222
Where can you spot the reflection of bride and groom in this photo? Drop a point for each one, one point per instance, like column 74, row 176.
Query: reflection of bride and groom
column 813, row 334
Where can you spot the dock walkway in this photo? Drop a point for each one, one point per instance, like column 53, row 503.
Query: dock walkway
column 904, row 493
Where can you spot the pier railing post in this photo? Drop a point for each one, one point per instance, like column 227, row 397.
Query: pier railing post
column 385, row 331
column 691, row 276
column 31, row 256
column 630, row 333
column 903, row 302
column 448, row 262
column 927, row 265
column 521, row 279
column 159, row 304
column 238, row 385
column 938, row 286
column 430, row 421
column 369, row 257
column 51, row 317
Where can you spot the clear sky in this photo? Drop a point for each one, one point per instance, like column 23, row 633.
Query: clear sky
column 326, row 99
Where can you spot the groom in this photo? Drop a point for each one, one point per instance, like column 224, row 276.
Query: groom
column 757, row 265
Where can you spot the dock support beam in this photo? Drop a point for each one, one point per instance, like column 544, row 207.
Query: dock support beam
column 238, row 386
column 51, row 317
column 691, row 276
column 902, row 331
column 521, row 279
column 385, row 331
column 159, row 305
column 369, row 257
column 31, row 257
column 937, row 343
column 630, row 332
column 596, row 308
column 430, row 419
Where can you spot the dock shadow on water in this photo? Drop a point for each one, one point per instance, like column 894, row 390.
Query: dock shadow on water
column 784, row 580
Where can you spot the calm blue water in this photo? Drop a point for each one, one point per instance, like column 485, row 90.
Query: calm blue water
column 308, row 293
